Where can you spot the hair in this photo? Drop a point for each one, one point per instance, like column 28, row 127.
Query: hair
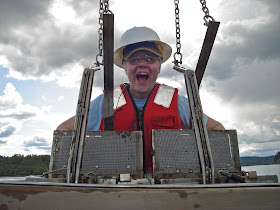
column 160, row 60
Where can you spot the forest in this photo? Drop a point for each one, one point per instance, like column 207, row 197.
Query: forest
column 254, row 160
column 20, row 165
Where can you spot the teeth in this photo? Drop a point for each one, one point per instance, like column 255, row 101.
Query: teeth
column 142, row 73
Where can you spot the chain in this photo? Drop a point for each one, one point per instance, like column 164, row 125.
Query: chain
column 177, row 54
column 104, row 9
column 207, row 18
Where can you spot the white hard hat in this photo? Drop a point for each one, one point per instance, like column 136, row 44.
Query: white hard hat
column 140, row 38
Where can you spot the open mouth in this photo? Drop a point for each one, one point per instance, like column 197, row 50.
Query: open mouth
column 142, row 77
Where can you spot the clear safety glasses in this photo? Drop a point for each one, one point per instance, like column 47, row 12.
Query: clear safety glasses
column 147, row 58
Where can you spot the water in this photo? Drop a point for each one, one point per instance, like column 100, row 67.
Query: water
column 12, row 179
column 264, row 169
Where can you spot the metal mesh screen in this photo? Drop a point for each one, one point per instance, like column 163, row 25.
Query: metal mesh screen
column 60, row 151
column 105, row 153
column 223, row 150
column 176, row 152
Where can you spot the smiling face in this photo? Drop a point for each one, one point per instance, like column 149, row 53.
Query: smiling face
column 142, row 69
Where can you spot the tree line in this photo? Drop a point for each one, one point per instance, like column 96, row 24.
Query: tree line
column 19, row 165
column 250, row 161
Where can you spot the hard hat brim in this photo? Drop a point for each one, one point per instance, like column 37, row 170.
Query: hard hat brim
column 165, row 52
column 153, row 50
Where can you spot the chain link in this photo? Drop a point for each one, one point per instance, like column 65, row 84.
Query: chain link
column 207, row 18
column 103, row 9
column 177, row 54
column 106, row 7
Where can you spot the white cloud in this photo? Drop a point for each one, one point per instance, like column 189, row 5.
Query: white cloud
column 10, row 97
column 216, row 108
column 60, row 98
column 26, row 145
column 14, row 115
column 3, row 60
column 44, row 98
column 62, row 12
column 71, row 77
column 258, row 149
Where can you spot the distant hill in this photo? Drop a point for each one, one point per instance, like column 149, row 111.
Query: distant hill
column 250, row 161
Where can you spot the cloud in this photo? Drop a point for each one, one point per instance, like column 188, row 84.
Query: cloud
column 243, row 73
column 13, row 113
column 19, row 115
column 38, row 143
column 258, row 149
column 33, row 13
column 8, row 131
column 10, row 97
column 38, row 42
column 44, row 98
column 254, row 37
column 60, row 98
column 2, row 142
column 70, row 78
column 19, row 144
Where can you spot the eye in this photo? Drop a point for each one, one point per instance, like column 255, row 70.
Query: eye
column 149, row 59
column 135, row 60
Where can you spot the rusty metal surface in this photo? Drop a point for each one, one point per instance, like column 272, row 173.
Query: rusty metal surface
column 108, row 37
column 206, row 50
column 67, row 196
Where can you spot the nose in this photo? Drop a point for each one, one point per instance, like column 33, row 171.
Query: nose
column 142, row 62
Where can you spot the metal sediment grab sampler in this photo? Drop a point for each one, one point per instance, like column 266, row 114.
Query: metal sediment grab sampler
column 106, row 43
column 192, row 82
column 79, row 133
column 80, row 126
column 197, row 119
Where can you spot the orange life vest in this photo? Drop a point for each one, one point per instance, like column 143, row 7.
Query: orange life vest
column 159, row 112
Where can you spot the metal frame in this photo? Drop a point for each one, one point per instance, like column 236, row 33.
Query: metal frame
column 206, row 49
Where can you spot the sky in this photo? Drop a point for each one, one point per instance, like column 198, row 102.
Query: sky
column 45, row 45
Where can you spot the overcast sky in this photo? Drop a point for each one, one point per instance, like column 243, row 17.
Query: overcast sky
column 45, row 45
